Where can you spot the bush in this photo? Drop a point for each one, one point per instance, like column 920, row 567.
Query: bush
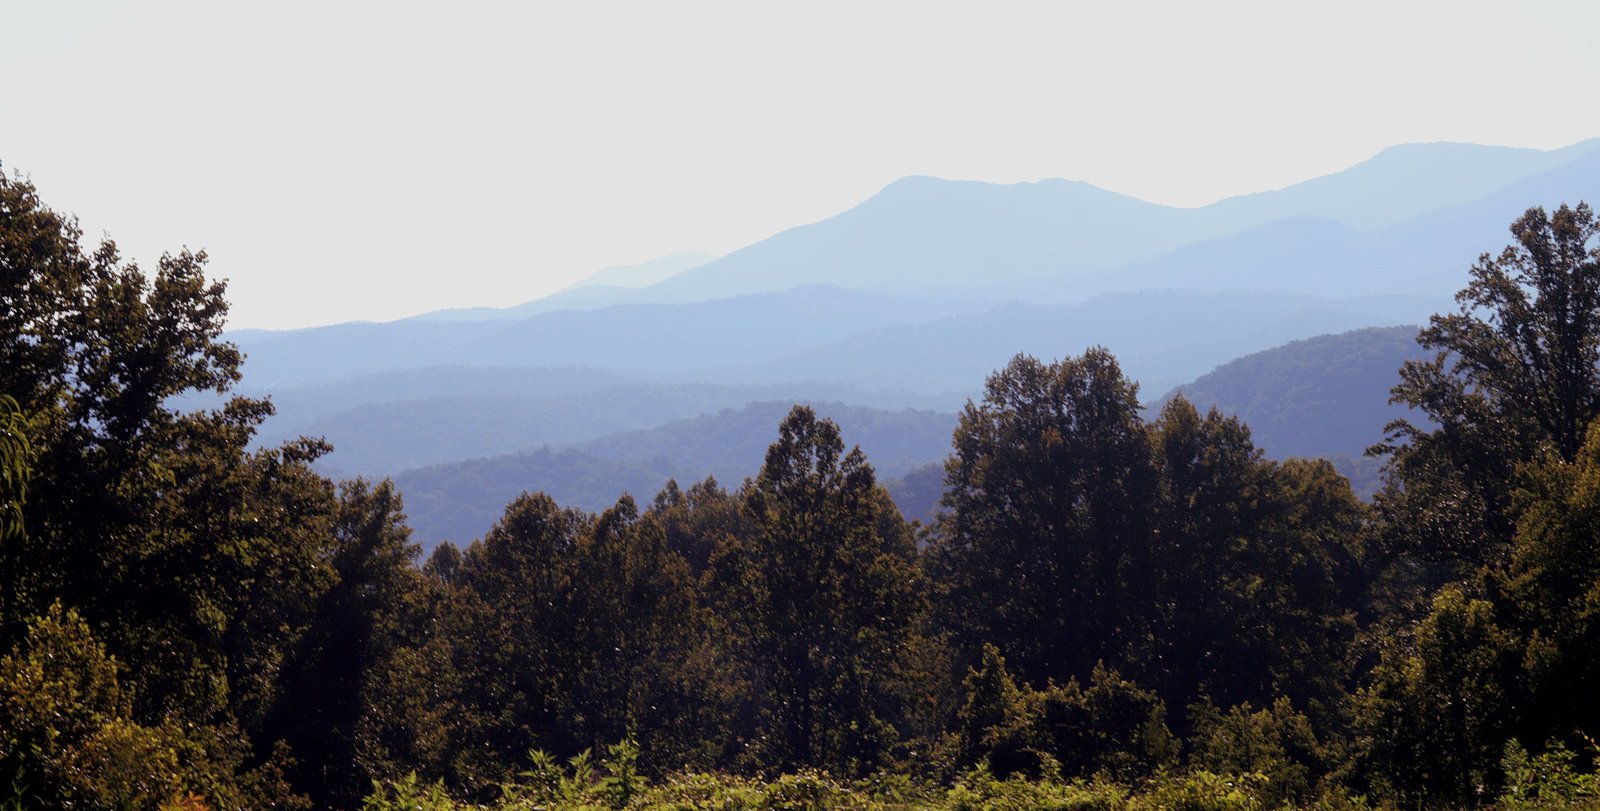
column 1550, row 779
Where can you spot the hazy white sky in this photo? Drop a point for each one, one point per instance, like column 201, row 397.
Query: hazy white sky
column 345, row 160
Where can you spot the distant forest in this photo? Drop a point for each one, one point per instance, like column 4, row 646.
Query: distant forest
column 1106, row 607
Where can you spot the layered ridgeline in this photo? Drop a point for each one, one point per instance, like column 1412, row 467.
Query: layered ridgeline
column 905, row 300
column 1326, row 396
column 461, row 501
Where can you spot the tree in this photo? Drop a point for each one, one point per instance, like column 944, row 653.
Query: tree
column 1111, row 727
column 638, row 668
column 695, row 519
column 1515, row 372
column 68, row 738
column 1174, row 553
column 1258, row 567
column 1551, row 591
column 194, row 559
column 1441, row 705
column 1494, row 500
column 326, row 708
column 1044, row 549
column 821, row 598
column 513, row 634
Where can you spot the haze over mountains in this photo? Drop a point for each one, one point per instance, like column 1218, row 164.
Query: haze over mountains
column 907, row 301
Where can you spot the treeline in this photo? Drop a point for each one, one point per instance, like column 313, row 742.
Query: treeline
column 186, row 623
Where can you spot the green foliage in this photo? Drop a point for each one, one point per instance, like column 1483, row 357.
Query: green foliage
column 1076, row 535
column 979, row 790
column 408, row 794
column 1515, row 373
column 1277, row 743
column 1113, row 727
column 58, row 690
column 14, row 457
column 67, row 734
column 1047, row 523
column 1496, row 502
column 1205, row 791
column 820, row 598
column 1552, row 591
column 997, row 724
column 330, row 684
column 976, row 789
column 622, row 782
column 1439, row 711
column 1253, row 558
column 1554, row 778
column 615, row 782
column 695, row 519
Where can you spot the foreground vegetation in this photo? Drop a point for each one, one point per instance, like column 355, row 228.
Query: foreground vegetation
column 1556, row 779
column 1108, row 612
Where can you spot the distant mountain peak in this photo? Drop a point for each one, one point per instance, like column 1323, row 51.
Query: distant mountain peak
column 644, row 274
column 919, row 186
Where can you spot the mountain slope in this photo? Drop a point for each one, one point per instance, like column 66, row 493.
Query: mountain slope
column 644, row 274
column 1399, row 183
column 381, row 438
column 298, row 406
column 618, row 284
column 1426, row 255
column 921, row 231
column 637, row 338
column 1161, row 338
column 928, row 231
column 732, row 444
column 460, row 501
column 1320, row 396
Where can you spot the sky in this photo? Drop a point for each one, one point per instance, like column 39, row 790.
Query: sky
column 369, row 161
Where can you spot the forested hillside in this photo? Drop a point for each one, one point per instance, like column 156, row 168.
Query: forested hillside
column 1326, row 396
column 1316, row 397
column 1113, row 608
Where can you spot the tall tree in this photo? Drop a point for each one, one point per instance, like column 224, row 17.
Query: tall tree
column 822, row 597
column 1044, row 549
column 1496, row 496
column 514, row 635
column 194, row 559
column 329, row 694
column 1257, row 565
column 638, row 666
column 1515, row 372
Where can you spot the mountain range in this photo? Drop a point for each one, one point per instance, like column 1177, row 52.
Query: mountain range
column 907, row 301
